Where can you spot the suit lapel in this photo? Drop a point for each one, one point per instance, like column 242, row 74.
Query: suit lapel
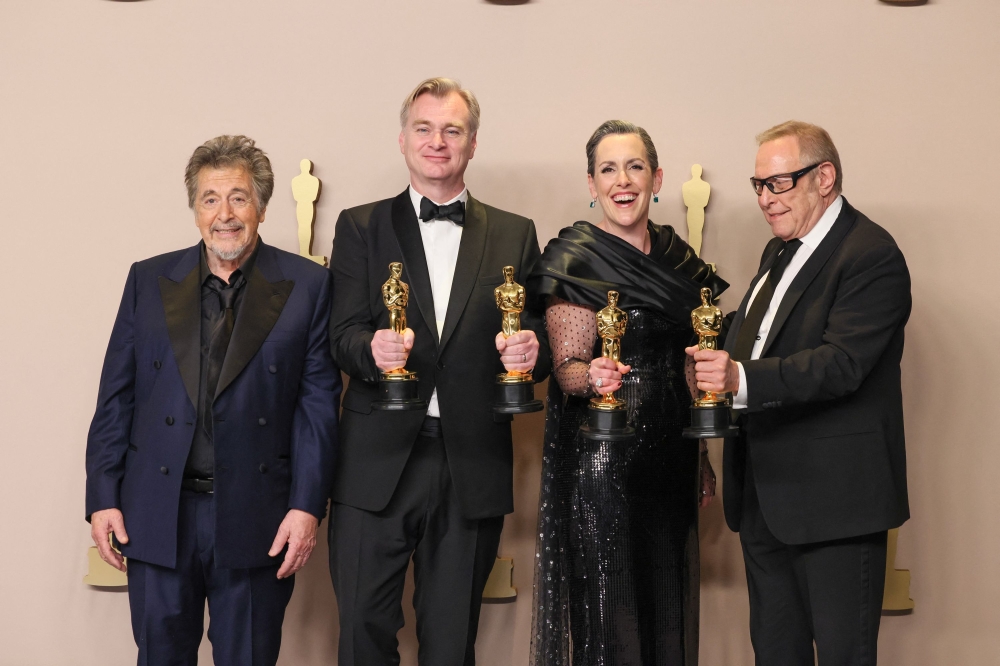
column 470, row 258
column 411, row 245
column 180, row 292
column 814, row 264
column 770, row 256
column 263, row 302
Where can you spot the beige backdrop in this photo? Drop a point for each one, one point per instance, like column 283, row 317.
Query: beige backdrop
column 101, row 103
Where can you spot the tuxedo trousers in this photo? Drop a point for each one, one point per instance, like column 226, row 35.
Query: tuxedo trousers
column 829, row 593
column 452, row 558
column 246, row 606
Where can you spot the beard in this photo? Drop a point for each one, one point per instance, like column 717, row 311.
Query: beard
column 231, row 253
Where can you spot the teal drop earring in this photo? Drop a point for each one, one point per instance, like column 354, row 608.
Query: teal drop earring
column 656, row 198
column 593, row 202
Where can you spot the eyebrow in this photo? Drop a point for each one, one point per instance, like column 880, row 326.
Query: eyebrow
column 235, row 190
column 458, row 125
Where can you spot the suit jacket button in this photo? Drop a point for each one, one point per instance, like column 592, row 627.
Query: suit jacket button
column 157, row 364
column 170, row 420
column 440, row 365
column 272, row 369
column 263, row 468
column 262, row 421
column 164, row 470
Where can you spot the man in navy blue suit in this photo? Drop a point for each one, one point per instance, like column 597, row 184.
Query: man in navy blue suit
column 211, row 453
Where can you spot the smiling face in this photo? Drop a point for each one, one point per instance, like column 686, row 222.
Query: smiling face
column 623, row 182
column 794, row 213
column 225, row 210
column 438, row 143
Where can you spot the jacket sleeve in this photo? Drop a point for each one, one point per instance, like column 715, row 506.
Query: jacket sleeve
column 110, row 430
column 351, row 325
column 314, row 426
column 872, row 303
column 531, row 319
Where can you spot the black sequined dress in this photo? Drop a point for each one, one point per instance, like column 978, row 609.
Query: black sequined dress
column 617, row 555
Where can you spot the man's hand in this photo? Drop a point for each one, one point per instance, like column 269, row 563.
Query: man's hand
column 608, row 373
column 391, row 349
column 714, row 370
column 298, row 530
column 102, row 524
column 518, row 352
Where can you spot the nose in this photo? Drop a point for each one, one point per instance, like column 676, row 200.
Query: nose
column 437, row 139
column 623, row 178
column 765, row 198
column 225, row 210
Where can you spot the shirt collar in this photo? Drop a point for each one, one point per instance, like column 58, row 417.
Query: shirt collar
column 822, row 228
column 415, row 198
column 245, row 268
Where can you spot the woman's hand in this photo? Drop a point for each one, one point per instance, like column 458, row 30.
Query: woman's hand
column 605, row 376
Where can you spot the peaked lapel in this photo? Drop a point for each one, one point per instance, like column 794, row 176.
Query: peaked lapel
column 814, row 264
column 180, row 292
column 263, row 302
column 470, row 258
column 411, row 245
column 741, row 312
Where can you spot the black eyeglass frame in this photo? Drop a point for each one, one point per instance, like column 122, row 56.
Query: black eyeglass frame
column 758, row 184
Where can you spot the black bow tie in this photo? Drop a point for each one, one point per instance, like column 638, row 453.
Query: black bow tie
column 454, row 211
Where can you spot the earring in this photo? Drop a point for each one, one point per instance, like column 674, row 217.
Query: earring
column 656, row 198
column 593, row 202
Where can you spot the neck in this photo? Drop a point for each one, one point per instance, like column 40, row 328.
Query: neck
column 438, row 191
column 223, row 268
column 636, row 235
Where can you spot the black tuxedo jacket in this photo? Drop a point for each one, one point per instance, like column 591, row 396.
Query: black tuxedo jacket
column 824, row 424
column 462, row 364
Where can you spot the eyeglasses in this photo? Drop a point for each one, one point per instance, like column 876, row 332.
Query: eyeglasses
column 782, row 182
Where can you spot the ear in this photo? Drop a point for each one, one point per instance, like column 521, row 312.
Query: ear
column 590, row 184
column 402, row 141
column 826, row 178
column 657, row 180
column 473, row 142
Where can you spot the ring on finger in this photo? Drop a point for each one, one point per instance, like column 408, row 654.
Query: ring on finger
column 600, row 382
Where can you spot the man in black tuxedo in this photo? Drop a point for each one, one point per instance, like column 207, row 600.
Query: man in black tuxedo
column 215, row 431
column 818, row 474
column 433, row 483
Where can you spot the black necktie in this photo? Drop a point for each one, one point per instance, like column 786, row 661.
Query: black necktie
column 454, row 211
column 751, row 325
column 221, row 334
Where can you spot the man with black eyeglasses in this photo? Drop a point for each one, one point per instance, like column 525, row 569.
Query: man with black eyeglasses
column 817, row 475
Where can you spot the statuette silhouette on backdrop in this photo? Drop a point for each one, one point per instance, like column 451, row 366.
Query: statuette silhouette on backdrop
column 515, row 390
column 696, row 193
column 305, row 190
column 398, row 388
column 709, row 413
column 607, row 416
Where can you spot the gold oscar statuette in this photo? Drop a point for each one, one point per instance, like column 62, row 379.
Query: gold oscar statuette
column 515, row 390
column 607, row 416
column 398, row 388
column 710, row 412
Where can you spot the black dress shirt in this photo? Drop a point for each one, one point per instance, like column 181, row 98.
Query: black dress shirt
column 216, row 333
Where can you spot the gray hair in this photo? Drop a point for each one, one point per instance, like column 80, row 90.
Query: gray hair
column 815, row 145
column 231, row 151
column 441, row 87
column 610, row 127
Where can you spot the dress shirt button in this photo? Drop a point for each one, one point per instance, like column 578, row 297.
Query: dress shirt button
column 272, row 369
column 164, row 470
column 758, row 337
column 262, row 421
column 263, row 468
column 170, row 420
column 157, row 364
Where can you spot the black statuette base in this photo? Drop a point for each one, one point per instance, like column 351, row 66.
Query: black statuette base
column 515, row 398
column 710, row 423
column 607, row 425
column 399, row 394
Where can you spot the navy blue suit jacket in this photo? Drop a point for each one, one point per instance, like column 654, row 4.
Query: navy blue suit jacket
column 275, row 408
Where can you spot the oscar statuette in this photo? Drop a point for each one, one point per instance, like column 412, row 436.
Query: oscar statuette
column 515, row 390
column 398, row 388
column 607, row 416
column 709, row 413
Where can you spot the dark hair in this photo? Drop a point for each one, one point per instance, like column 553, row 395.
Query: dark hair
column 620, row 127
column 231, row 151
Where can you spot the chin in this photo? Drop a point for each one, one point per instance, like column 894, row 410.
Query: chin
column 228, row 251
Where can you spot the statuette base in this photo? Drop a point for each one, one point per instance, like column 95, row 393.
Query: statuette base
column 515, row 394
column 710, row 422
column 399, row 391
column 607, row 422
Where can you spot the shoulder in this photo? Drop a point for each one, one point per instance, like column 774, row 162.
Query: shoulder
column 296, row 267
column 162, row 263
column 868, row 238
column 508, row 219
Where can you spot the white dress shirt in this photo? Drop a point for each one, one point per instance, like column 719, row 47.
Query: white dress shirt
column 441, row 239
column 809, row 244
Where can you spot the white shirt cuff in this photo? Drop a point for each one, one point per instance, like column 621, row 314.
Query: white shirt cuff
column 740, row 398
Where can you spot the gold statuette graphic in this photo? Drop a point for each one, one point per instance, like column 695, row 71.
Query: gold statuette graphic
column 607, row 416
column 398, row 388
column 710, row 412
column 515, row 390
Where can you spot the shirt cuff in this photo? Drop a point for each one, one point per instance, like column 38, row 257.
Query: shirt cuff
column 740, row 397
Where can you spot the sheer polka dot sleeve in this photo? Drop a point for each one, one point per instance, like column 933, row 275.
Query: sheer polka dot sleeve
column 572, row 331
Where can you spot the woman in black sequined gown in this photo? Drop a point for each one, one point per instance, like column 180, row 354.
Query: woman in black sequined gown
column 617, row 561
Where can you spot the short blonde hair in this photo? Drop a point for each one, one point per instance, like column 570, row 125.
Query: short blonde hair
column 815, row 145
column 442, row 87
column 231, row 151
